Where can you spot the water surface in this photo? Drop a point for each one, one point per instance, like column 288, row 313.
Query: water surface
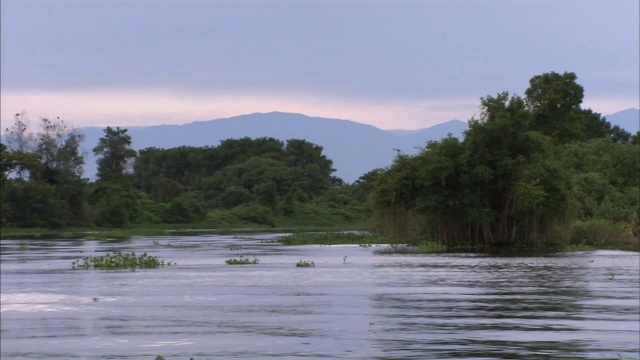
column 581, row 305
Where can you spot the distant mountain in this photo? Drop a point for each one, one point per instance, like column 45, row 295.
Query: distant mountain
column 355, row 148
column 626, row 119
column 455, row 127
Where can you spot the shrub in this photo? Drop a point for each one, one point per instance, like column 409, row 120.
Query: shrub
column 599, row 232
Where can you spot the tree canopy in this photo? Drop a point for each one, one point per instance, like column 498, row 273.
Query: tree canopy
column 525, row 169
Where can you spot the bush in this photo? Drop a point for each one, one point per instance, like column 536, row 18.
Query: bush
column 599, row 232
column 255, row 213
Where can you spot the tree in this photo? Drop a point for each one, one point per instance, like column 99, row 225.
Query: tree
column 554, row 101
column 114, row 198
column 59, row 148
column 114, row 154
column 526, row 167
column 49, row 190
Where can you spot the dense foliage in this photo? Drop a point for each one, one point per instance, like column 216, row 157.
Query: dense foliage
column 41, row 176
column 241, row 181
column 528, row 171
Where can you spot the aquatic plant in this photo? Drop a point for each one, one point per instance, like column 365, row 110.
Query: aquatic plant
column 305, row 263
column 117, row 260
column 242, row 261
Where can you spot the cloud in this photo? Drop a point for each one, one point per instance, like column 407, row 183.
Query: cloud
column 393, row 64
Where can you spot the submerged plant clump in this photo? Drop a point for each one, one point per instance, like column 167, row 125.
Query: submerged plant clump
column 242, row 261
column 305, row 263
column 117, row 260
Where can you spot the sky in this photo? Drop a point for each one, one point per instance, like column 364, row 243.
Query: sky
column 395, row 64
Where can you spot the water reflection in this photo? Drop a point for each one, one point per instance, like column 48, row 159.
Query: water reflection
column 473, row 307
column 372, row 307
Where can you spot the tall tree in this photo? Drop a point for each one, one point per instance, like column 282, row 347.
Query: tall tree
column 114, row 154
column 59, row 148
column 554, row 101
column 49, row 189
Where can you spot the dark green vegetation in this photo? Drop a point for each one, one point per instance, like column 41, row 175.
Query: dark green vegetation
column 532, row 172
column 118, row 261
column 244, row 183
column 538, row 171
column 242, row 261
column 333, row 238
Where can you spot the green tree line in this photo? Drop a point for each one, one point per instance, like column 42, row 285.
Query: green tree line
column 259, row 181
column 529, row 171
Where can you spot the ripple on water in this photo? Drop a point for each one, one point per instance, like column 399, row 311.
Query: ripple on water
column 365, row 306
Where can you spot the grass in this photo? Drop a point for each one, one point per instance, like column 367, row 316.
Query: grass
column 305, row 264
column 333, row 238
column 431, row 247
column 118, row 261
column 578, row 247
column 242, row 261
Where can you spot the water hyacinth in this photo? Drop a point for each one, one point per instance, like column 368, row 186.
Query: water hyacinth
column 242, row 261
column 305, row 263
column 117, row 261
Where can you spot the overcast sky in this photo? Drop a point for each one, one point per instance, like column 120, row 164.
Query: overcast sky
column 393, row 64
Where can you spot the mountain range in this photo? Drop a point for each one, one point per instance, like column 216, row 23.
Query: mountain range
column 354, row 148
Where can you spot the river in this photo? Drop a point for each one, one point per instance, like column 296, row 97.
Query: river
column 356, row 303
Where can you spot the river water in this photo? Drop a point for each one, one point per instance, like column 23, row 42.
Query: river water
column 356, row 303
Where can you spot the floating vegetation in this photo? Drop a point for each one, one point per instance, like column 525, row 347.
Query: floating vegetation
column 117, row 261
column 242, row 261
column 305, row 263
column 611, row 276
column 334, row 238
column 23, row 248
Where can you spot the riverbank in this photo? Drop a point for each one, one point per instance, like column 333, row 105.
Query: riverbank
column 339, row 234
column 97, row 233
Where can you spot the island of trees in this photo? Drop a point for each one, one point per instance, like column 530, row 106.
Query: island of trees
column 530, row 171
